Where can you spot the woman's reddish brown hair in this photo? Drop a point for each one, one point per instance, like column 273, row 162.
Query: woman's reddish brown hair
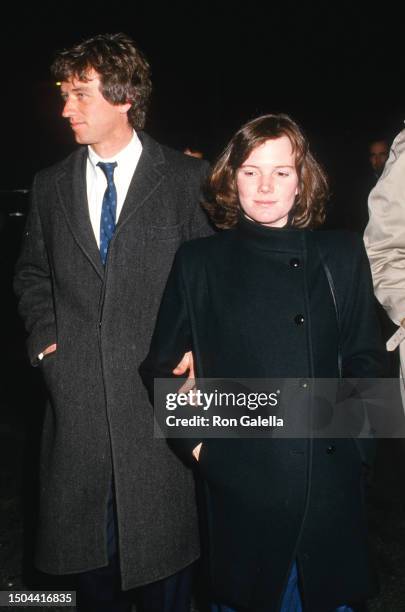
column 222, row 201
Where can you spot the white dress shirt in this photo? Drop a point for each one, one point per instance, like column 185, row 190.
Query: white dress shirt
column 127, row 160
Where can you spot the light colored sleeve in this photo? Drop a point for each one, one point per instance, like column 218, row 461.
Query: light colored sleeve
column 384, row 236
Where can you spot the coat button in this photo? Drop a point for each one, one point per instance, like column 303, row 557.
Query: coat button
column 331, row 449
column 299, row 319
column 295, row 262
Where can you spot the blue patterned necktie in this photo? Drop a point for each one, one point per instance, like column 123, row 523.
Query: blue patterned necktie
column 108, row 209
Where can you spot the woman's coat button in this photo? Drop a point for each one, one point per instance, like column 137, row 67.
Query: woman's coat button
column 299, row 319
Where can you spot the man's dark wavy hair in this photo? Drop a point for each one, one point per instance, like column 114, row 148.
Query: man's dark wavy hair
column 124, row 72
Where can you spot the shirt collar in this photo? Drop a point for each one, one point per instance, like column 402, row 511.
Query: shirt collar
column 131, row 151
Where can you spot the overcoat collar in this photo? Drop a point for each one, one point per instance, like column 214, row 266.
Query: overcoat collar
column 72, row 194
column 270, row 238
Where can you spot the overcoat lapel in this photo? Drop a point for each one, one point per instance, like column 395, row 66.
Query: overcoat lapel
column 71, row 187
column 147, row 177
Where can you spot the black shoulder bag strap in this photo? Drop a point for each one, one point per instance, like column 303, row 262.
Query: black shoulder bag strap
column 332, row 289
column 364, row 452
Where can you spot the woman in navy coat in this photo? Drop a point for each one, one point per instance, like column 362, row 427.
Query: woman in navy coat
column 283, row 519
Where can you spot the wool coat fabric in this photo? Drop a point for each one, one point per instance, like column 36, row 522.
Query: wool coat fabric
column 254, row 302
column 98, row 425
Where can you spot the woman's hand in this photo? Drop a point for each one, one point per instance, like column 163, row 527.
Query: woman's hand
column 186, row 365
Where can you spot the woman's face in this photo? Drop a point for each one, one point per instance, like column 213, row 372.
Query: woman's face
column 267, row 182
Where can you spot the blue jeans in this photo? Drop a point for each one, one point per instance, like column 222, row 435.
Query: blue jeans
column 291, row 599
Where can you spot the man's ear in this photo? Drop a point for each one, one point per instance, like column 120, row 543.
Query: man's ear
column 124, row 108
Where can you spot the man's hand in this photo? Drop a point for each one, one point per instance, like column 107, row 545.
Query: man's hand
column 186, row 365
column 196, row 451
column 49, row 349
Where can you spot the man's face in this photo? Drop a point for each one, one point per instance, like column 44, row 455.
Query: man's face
column 93, row 119
column 378, row 155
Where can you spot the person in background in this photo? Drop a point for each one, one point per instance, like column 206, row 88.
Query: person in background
column 356, row 197
column 384, row 239
column 117, row 506
column 378, row 154
column 193, row 152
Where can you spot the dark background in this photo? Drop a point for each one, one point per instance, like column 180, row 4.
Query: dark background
column 337, row 68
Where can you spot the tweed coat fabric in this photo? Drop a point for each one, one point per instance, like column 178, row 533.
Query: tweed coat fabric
column 98, row 423
column 255, row 303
